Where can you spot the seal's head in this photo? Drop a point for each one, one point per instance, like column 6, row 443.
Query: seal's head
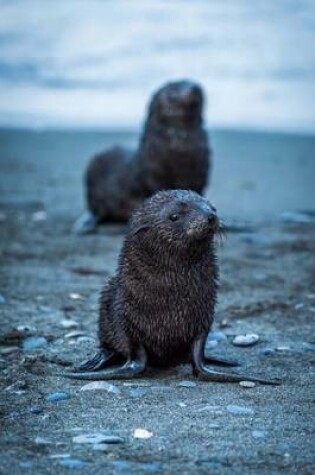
column 177, row 103
column 178, row 218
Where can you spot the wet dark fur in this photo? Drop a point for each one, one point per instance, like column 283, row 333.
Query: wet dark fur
column 164, row 292
column 173, row 153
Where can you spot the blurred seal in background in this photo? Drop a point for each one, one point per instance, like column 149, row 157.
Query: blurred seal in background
column 173, row 153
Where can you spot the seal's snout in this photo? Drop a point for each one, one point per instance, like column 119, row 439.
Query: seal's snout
column 190, row 95
column 204, row 223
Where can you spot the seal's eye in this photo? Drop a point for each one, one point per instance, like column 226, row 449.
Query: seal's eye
column 173, row 217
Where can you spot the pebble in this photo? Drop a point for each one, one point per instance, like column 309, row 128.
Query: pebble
column 259, row 434
column 216, row 336
column 39, row 216
column 142, row 434
column 26, row 329
column 67, row 323
column 283, row 348
column 59, row 396
column 75, row 334
column 36, row 409
column 214, row 426
column 2, row 299
column 75, row 296
column 138, row 392
column 247, row 384
column 7, row 350
column 246, row 340
column 298, row 306
column 187, row 384
column 267, row 351
column 181, row 404
column 34, row 342
column 97, row 438
column 73, row 463
column 102, row 386
column 239, row 410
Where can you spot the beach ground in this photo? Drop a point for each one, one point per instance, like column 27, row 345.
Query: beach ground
column 50, row 284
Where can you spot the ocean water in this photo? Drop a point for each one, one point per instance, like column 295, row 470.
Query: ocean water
column 94, row 64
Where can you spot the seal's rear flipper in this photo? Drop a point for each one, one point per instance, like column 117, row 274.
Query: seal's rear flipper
column 86, row 224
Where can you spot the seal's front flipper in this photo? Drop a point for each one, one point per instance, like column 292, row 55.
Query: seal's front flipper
column 220, row 361
column 129, row 370
column 86, row 224
column 99, row 361
column 206, row 374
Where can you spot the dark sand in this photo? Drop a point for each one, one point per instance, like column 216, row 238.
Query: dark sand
column 268, row 288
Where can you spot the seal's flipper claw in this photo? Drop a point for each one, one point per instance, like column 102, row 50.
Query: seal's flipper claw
column 220, row 361
column 129, row 370
column 85, row 224
column 99, row 361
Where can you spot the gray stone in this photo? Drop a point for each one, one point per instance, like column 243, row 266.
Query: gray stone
column 36, row 409
column 216, row 336
column 187, row 384
column 59, row 396
column 101, row 386
column 239, row 410
column 246, row 340
column 97, row 438
column 34, row 342
column 247, row 384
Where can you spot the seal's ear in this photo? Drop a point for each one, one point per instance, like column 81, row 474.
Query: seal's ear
column 139, row 229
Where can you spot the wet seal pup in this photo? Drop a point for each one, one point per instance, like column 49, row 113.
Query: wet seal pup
column 173, row 153
column 159, row 307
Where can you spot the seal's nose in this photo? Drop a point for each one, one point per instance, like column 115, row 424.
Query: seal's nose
column 212, row 218
column 190, row 94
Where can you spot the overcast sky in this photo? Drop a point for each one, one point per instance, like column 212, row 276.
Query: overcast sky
column 95, row 63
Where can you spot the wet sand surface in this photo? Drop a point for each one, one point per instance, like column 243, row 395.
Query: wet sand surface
column 50, row 283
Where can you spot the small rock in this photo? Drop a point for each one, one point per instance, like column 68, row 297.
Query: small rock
column 181, row 404
column 36, row 409
column 85, row 338
column 42, row 441
column 34, row 342
column 187, row 384
column 216, row 336
column 75, row 296
column 7, row 350
column 59, row 396
column 259, row 434
column 239, row 410
column 97, row 438
column 26, row 329
column 211, row 344
column 39, row 216
column 283, row 348
column 267, row 351
column 138, row 392
column 247, row 384
column 246, row 340
column 101, row 385
column 73, row 463
column 75, row 334
column 67, row 323
column 142, row 434
column 298, row 306
column 2, row 299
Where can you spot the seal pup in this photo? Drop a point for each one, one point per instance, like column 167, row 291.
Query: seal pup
column 173, row 153
column 159, row 307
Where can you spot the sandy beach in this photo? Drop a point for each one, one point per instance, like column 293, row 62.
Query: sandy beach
column 263, row 187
